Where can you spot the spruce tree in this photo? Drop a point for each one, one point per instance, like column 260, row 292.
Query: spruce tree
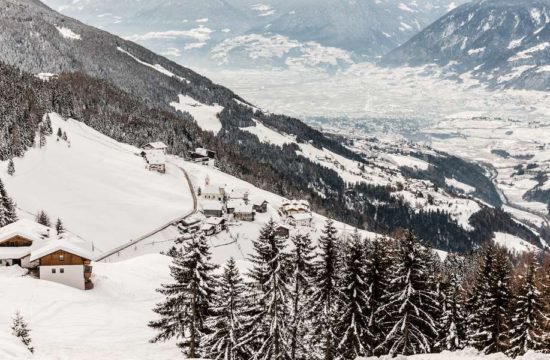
column 188, row 300
column 226, row 324
column 303, row 271
column 377, row 269
column 410, row 302
column 8, row 211
column 489, row 304
column 352, row 325
column 11, row 168
column 43, row 218
column 453, row 319
column 323, row 308
column 59, row 133
column 60, row 229
column 21, row 330
column 527, row 330
column 268, row 328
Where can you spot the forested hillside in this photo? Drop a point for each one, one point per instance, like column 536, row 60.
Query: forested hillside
column 124, row 91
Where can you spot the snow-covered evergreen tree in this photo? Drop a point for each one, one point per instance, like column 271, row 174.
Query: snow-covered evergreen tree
column 8, row 212
column 188, row 300
column 226, row 324
column 323, row 308
column 453, row 319
column 59, row 227
column 268, row 323
column 489, row 303
column 43, row 218
column 527, row 330
column 376, row 273
column 411, row 301
column 21, row 330
column 11, row 167
column 303, row 271
column 352, row 325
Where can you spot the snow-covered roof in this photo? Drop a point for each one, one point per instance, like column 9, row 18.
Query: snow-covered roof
column 14, row 252
column 155, row 157
column 244, row 209
column 282, row 226
column 301, row 216
column 202, row 151
column 238, row 193
column 44, row 241
column 159, row 145
column 215, row 220
column 65, row 243
column 211, row 189
column 232, row 204
column 27, row 229
column 212, row 205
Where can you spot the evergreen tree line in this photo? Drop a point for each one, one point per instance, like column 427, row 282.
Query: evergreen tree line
column 349, row 297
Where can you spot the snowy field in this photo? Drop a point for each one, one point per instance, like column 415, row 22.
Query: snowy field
column 467, row 354
column 97, row 186
column 108, row 322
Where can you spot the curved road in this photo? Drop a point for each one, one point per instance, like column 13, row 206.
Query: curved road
column 133, row 242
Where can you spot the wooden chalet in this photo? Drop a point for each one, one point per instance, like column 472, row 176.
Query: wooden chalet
column 244, row 213
column 212, row 209
column 260, row 207
column 158, row 146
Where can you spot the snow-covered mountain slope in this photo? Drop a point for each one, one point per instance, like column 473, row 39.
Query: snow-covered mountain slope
column 269, row 32
column 506, row 43
column 99, row 188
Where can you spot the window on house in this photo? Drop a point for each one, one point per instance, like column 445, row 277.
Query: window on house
column 53, row 271
column 61, row 257
column 62, row 271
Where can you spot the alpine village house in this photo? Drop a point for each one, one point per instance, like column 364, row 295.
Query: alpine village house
column 61, row 258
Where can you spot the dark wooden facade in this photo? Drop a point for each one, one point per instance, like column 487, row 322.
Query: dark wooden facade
column 16, row 241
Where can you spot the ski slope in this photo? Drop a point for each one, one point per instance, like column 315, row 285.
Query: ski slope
column 97, row 186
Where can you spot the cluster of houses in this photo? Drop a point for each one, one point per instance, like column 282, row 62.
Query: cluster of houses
column 220, row 205
column 61, row 258
column 155, row 156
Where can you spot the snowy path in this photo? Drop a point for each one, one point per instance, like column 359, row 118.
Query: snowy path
column 115, row 251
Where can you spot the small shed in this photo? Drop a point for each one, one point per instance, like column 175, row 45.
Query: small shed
column 282, row 231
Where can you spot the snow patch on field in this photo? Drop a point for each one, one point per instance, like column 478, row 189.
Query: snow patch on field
column 97, row 186
column 408, row 161
column 513, row 243
column 206, row 116
column 467, row 189
column 268, row 135
column 68, row 33
column 161, row 69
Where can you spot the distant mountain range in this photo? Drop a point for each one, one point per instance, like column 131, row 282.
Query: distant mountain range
column 505, row 43
column 243, row 33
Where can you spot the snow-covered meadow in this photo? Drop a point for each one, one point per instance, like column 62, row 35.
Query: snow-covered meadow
column 100, row 188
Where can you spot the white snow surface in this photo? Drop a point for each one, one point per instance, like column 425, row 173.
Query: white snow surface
column 513, row 243
column 466, row 354
column 68, row 33
column 108, row 322
column 99, row 188
column 205, row 115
